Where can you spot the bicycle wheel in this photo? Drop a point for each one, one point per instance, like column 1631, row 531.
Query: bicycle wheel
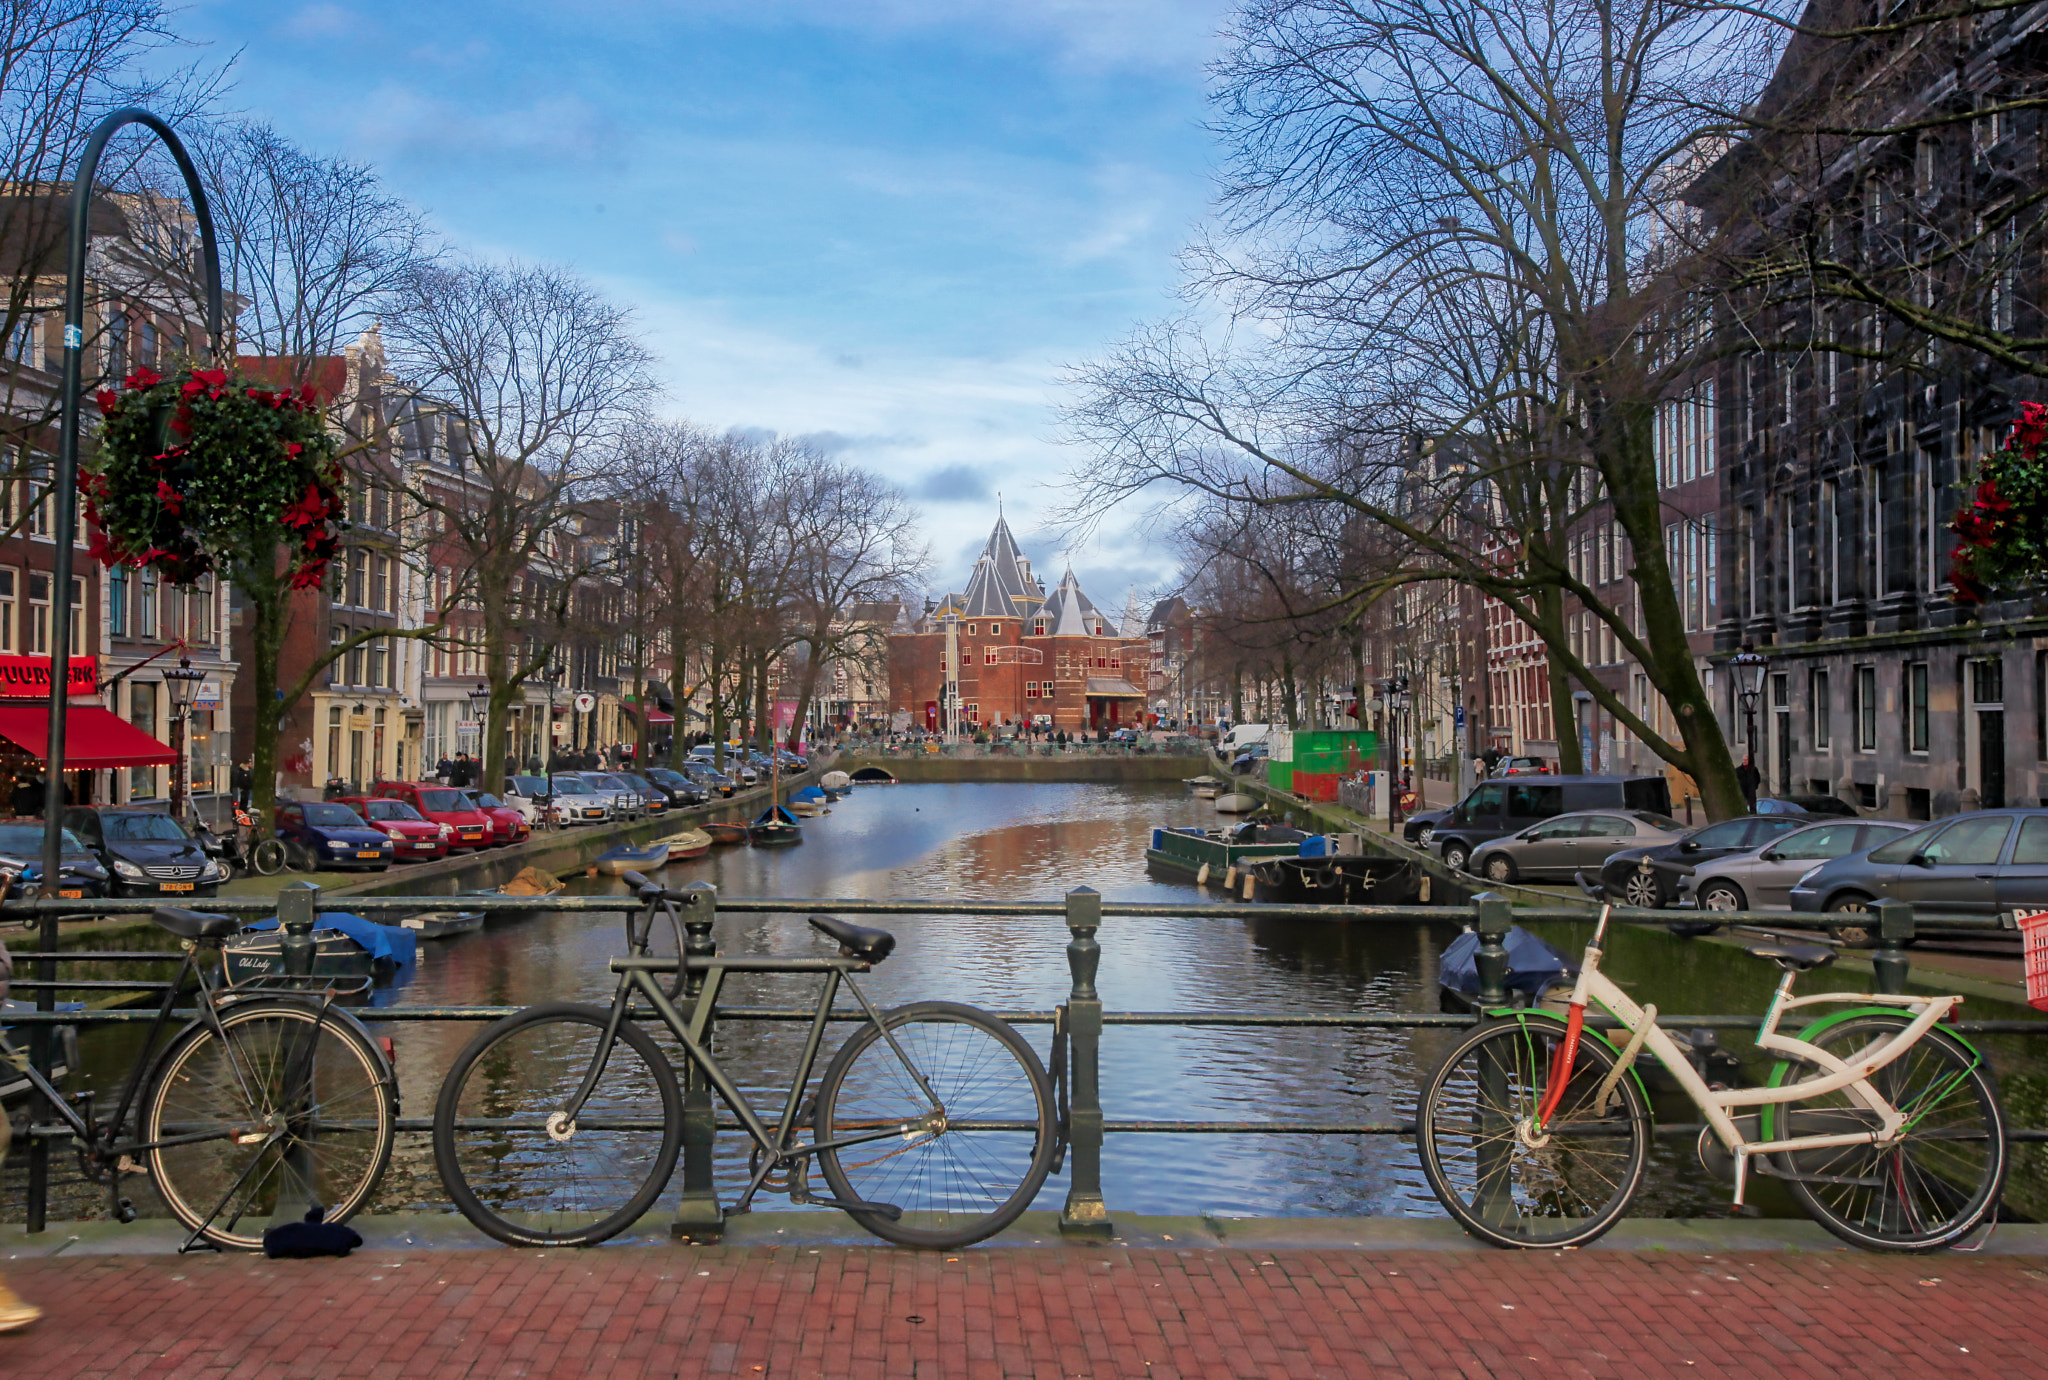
column 268, row 857
column 1470, row 1125
column 981, row 1167
column 1927, row 1190
column 282, row 1110
column 529, row 1185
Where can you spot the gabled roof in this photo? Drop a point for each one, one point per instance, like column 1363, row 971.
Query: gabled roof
column 1002, row 585
column 1070, row 613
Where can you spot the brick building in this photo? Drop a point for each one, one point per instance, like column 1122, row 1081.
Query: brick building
column 1010, row 654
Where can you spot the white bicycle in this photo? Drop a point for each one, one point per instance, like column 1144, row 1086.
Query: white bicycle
column 1886, row 1129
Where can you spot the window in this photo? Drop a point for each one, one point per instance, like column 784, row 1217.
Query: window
column 1817, row 845
column 142, row 713
column 1030, row 689
column 1916, row 706
column 200, row 626
column 380, row 567
column 970, row 629
column 117, row 600
column 2033, row 845
column 1817, row 708
column 1873, row 532
column 7, row 603
column 355, row 664
column 38, row 613
column 42, row 517
column 117, row 344
column 1865, row 708
column 988, row 656
column 1987, row 681
column 358, row 571
column 1927, row 532
column 1972, row 841
column 146, row 583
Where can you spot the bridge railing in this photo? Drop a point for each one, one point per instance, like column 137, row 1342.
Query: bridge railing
column 1079, row 1021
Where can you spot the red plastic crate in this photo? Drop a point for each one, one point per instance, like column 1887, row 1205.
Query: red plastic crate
column 2034, row 940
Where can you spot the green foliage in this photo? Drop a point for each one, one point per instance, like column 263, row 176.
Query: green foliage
column 212, row 471
column 2004, row 527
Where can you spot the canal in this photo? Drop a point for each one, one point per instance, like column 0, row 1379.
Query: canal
column 1035, row 841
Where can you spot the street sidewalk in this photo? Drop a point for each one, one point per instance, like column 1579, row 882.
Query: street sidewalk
column 862, row 1311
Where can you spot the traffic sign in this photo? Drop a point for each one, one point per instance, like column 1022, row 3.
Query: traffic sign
column 585, row 702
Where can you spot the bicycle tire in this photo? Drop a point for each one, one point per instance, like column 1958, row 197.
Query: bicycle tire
column 965, row 1183
column 1565, row 1192
column 509, row 1175
column 333, row 1150
column 268, row 857
column 1954, row 1153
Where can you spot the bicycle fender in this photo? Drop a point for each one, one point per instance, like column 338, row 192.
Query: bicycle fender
column 1523, row 1017
column 1767, row 1120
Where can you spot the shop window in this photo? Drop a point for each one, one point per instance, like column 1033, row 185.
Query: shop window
column 1866, row 709
column 142, row 713
column 1817, row 699
column 1916, row 707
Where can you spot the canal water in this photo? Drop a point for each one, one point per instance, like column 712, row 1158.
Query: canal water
column 1036, row 841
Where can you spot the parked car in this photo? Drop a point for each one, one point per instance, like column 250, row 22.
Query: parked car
column 530, row 796
column 1522, row 766
column 79, row 873
column 444, row 805
column 414, row 837
column 328, row 836
column 713, row 781
column 679, row 789
column 508, row 825
column 1247, row 762
column 1648, row 877
column 1558, row 847
column 1761, row 878
column 1418, row 829
column 627, row 801
column 1805, row 805
column 144, row 852
column 735, row 765
column 655, row 798
column 1494, row 809
column 1981, row 863
column 577, row 801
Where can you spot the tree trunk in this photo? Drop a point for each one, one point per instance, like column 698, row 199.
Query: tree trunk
column 1288, row 691
column 268, row 605
column 764, row 725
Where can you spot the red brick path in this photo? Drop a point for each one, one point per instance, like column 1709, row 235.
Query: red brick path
column 858, row 1312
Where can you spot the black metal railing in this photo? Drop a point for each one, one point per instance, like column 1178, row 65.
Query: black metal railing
column 1078, row 1022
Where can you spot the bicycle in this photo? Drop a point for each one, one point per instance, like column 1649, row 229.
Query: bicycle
column 1886, row 1130
column 933, row 1125
column 270, row 1102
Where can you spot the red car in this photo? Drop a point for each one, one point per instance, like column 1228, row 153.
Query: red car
column 413, row 837
column 507, row 823
column 467, row 826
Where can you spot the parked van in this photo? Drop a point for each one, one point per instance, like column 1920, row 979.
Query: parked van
column 1495, row 809
column 1240, row 737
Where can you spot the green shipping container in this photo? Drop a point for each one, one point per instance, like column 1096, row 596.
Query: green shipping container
column 1323, row 754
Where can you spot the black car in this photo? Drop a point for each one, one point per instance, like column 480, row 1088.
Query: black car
column 709, row 778
column 1648, row 877
column 679, row 789
column 145, row 852
column 1807, row 805
column 79, row 873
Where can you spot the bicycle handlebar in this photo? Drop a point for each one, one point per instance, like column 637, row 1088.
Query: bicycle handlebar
column 650, row 892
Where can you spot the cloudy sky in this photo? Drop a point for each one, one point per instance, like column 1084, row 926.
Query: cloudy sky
column 883, row 223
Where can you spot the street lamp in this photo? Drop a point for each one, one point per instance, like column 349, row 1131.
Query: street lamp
column 551, row 677
column 1748, row 666
column 479, row 710
column 181, row 682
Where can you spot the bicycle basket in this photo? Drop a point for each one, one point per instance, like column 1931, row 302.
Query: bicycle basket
column 2034, row 940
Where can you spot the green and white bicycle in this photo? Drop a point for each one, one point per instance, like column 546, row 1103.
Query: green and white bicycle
column 1885, row 1128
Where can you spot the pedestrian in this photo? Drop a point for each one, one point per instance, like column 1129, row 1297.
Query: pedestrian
column 29, row 796
column 443, row 769
column 1749, row 778
column 15, row 1314
column 242, row 779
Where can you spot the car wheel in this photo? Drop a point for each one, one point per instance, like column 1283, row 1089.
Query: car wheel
column 1851, row 903
column 1499, row 868
column 1456, row 855
column 1641, row 891
column 1722, row 896
column 1424, row 835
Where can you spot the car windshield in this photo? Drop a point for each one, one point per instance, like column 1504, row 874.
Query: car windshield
column 392, row 809
column 443, row 802
column 125, row 828
column 613, row 783
column 488, row 801
column 639, row 781
column 332, row 816
column 1652, row 817
column 570, row 785
column 529, row 785
column 18, row 840
column 667, row 777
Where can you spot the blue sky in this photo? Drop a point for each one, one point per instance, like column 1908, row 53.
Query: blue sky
column 883, row 223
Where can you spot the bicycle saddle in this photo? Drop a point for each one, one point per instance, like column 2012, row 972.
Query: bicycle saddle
column 870, row 946
column 194, row 924
column 1797, row 958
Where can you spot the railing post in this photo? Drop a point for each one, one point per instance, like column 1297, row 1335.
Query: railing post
column 1493, row 920
column 297, row 907
column 1894, row 930
column 1085, row 1215
column 698, row 1214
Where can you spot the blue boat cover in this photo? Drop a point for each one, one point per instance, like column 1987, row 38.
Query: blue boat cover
column 1316, row 846
column 391, row 943
column 626, row 852
column 811, row 794
column 1532, row 964
column 778, row 815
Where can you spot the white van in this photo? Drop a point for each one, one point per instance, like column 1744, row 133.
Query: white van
column 1240, row 737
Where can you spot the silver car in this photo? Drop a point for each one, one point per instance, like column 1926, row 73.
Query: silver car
column 1563, row 844
column 1762, row 878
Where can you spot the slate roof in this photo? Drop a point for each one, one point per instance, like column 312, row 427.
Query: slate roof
column 1070, row 613
column 1002, row 585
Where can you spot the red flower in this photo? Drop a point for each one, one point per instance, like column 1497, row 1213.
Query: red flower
column 309, row 511
column 181, row 422
column 100, row 549
column 173, row 501
column 212, row 378
column 144, row 377
column 108, row 400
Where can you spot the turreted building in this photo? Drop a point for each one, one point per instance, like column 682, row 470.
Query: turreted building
column 1022, row 656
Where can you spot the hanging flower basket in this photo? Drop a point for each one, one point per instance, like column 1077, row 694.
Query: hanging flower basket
column 2003, row 529
column 212, row 470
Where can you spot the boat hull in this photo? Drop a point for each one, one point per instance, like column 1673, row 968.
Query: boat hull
column 1176, row 851
column 727, row 833
column 775, row 835
column 261, row 955
column 443, row 924
column 1236, row 803
column 622, row 860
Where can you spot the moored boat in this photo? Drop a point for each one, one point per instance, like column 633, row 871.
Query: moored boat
column 726, row 833
column 627, row 858
column 775, row 827
column 835, row 781
column 531, row 883
column 443, row 924
column 691, row 843
column 1204, row 787
column 1236, row 803
column 1217, row 855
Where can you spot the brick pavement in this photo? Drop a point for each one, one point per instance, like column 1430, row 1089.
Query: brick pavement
column 625, row 1313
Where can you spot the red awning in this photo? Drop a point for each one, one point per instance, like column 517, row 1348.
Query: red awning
column 655, row 716
column 92, row 737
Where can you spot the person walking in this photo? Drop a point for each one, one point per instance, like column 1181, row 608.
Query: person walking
column 29, row 796
column 443, row 769
column 242, row 780
column 1749, row 778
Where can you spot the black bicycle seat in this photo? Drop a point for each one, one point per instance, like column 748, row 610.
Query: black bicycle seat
column 870, row 946
column 1798, row 958
column 194, row 924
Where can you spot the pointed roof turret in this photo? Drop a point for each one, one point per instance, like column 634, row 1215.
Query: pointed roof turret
column 1070, row 613
column 1002, row 585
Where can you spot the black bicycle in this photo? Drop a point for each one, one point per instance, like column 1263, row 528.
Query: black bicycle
column 271, row 1102
column 933, row 1125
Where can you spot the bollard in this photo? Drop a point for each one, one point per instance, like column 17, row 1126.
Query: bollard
column 1494, row 918
column 297, row 905
column 698, row 1215
column 1085, row 1216
column 1894, row 929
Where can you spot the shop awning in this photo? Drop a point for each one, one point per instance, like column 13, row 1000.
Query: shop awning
column 1113, row 688
column 92, row 737
column 655, row 716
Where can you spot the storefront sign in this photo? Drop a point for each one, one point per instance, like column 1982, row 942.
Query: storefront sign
column 28, row 677
column 585, row 703
column 208, row 696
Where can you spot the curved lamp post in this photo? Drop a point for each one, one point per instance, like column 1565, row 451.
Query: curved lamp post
column 182, row 683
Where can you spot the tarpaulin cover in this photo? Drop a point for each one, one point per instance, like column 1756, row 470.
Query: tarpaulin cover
column 1532, row 964
column 390, row 943
column 92, row 737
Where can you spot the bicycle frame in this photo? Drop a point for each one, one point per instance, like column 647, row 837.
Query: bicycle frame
column 1836, row 1074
